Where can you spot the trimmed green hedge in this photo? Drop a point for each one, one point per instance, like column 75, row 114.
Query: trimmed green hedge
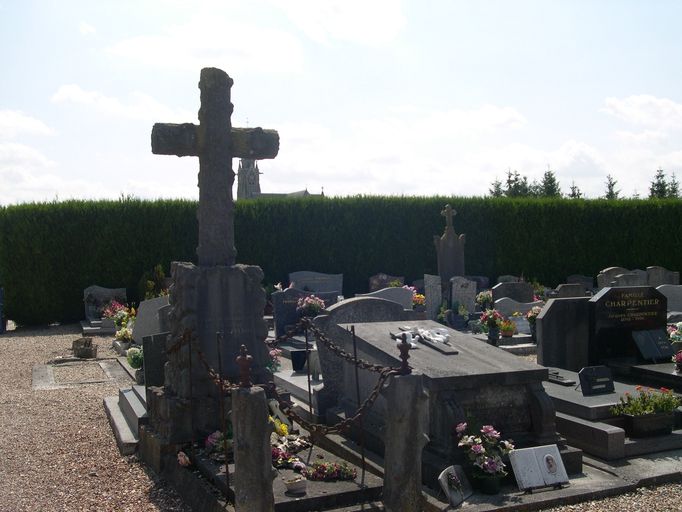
column 50, row 252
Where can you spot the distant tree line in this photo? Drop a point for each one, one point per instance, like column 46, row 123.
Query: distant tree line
column 517, row 185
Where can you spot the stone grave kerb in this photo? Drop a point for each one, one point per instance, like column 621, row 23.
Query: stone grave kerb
column 218, row 302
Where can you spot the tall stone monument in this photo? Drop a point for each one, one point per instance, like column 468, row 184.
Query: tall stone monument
column 450, row 251
column 219, row 303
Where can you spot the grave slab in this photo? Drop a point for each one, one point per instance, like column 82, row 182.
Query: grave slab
column 309, row 281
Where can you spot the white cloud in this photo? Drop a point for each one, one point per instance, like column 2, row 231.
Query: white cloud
column 86, row 29
column 14, row 122
column 137, row 106
column 374, row 23
column 645, row 110
column 212, row 40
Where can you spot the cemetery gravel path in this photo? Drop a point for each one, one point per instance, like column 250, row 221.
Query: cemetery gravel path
column 58, row 453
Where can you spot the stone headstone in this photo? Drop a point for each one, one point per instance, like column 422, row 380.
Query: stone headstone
column 148, row 320
column 673, row 294
column 463, row 293
column 284, row 306
column 216, row 303
column 606, row 276
column 433, row 294
column 564, row 291
column 508, row 307
column 656, row 276
column 482, row 282
column 317, row 282
column 563, row 330
column 96, row 297
column 418, row 284
column 519, row 291
column 615, row 313
column 402, row 296
column 505, row 278
column 634, row 278
column 654, row 345
column 449, row 250
column 381, row 280
column 586, row 281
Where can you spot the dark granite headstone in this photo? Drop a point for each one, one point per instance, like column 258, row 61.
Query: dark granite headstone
column 381, row 280
column 96, row 297
column 596, row 380
column 563, row 333
column 154, row 349
column 317, row 282
column 519, row 291
column 148, row 321
column 284, row 306
column 482, row 282
column 615, row 313
column 564, row 291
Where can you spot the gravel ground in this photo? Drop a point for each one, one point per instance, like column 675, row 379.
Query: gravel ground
column 58, row 452
column 56, row 447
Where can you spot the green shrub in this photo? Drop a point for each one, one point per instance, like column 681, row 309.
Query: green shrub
column 50, row 252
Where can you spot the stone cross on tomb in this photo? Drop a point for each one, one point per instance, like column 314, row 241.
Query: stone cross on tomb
column 448, row 213
column 216, row 143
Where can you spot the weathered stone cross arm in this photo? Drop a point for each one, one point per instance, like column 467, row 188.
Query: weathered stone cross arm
column 184, row 140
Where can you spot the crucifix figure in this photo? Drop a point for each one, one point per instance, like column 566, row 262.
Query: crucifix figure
column 215, row 142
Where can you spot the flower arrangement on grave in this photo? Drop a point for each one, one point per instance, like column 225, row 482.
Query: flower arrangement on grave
column 274, row 364
column 484, row 299
column 215, row 443
column 309, row 305
column 418, row 299
column 330, row 471
column 124, row 334
column 484, row 449
column 395, row 284
column 280, row 428
column 532, row 314
column 675, row 332
column 647, row 401
column 112, row 308
column 491, row 318
column 135, row 357
column 507, row 327
column 284, row 459
column 677, row 359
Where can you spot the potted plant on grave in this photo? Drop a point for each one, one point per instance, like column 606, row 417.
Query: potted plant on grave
column 650, row 413
column 485, row 450
column 491, row 320
column 532, row 316
column 507, row 328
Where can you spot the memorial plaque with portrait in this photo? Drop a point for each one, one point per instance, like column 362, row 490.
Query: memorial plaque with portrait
column 538, row 467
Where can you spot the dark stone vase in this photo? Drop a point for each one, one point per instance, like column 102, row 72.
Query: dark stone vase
column 533, row 331
column 493, row 335
column 649, row 425
column 488, row 484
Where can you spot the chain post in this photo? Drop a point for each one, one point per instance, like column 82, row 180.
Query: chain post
column 404, row 348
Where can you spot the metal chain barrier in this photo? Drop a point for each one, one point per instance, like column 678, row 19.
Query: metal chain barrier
column 315, row 429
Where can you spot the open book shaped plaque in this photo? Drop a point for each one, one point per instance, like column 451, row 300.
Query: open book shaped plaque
column 538, row 467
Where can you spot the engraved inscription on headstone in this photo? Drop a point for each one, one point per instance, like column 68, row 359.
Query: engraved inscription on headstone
column 654, row 345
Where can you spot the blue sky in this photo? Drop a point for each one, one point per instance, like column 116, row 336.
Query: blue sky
column 369, row 97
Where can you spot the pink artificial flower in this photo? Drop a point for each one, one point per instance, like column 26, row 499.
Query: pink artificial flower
column 461, row 427
column 478, row 449
column 489, row 430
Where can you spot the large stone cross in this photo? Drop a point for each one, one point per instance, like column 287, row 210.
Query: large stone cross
column 216, row 143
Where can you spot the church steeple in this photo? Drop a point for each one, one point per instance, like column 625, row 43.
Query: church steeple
column 248, row 179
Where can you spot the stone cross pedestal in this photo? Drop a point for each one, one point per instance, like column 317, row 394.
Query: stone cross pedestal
column 450, row 251
column 218, row 302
